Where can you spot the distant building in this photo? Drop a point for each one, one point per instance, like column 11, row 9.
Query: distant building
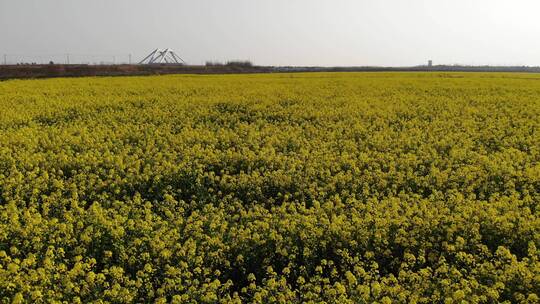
column 430, row 63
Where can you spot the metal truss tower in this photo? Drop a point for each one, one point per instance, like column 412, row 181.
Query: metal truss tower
column 159, row 56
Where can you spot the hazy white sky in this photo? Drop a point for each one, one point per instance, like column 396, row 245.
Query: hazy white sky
column 277, row 32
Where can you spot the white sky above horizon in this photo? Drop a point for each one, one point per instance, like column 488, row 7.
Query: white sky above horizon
column 275, row 32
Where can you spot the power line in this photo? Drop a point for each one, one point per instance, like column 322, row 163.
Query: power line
column 67, row 58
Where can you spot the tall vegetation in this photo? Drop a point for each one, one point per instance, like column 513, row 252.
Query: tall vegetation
column 289, row 188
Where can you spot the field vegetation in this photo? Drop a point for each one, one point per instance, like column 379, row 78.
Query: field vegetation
column 274, row 188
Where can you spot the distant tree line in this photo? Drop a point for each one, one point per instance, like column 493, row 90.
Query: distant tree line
column 234, row 63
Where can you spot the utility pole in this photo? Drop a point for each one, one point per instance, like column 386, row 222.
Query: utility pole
column 67, row 58
column 113, row 59
column 129, row 58
column 5, row 59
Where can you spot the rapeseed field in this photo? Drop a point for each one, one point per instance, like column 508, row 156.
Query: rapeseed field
column 274, row 188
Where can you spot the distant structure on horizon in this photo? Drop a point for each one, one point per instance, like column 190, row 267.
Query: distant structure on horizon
column 160, row 56
column 430, row 63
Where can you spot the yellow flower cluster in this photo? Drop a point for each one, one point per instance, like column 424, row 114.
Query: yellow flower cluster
column 276, row 188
